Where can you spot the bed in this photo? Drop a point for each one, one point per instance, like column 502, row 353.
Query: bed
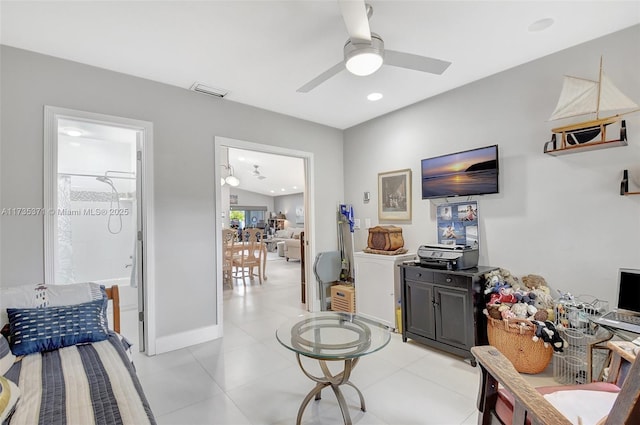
column 89, row 381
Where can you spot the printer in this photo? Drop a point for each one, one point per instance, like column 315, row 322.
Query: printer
column 450, row 257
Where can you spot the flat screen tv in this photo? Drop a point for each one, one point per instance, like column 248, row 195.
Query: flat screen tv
column 467, row 173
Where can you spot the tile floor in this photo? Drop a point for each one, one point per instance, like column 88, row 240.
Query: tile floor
column 247, row 377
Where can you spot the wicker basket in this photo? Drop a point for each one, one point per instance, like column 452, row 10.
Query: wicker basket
column 513, row 338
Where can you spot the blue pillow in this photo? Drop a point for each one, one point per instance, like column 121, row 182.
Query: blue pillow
column 33, row 330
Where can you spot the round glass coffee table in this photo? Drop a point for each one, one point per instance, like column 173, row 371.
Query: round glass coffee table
column 332, row 336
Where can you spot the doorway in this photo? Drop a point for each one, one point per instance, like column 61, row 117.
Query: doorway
column 301, row 214
column 93, row 185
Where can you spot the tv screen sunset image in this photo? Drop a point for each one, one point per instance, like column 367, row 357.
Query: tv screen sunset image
column 466, row 173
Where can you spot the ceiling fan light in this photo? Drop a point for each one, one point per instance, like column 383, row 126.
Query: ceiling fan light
column 365, row 63
column 232, row 180
column 364, row 58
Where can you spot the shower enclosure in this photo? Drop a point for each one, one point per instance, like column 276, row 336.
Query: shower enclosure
column 96, row 209
column 96, row 228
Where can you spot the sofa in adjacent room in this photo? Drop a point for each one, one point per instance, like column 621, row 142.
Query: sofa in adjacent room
column 291, row 238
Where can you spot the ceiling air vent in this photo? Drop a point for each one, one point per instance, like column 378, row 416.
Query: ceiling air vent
column 211, row 91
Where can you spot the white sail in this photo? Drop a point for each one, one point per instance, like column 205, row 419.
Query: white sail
column 580, row 97
column 611, row 98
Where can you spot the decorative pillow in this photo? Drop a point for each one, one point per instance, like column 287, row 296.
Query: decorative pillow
column 41, row 295
column 9, row 396
column 43, row 329
column 6, row 356
column 285, row 234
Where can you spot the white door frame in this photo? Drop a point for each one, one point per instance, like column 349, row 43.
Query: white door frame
column 146, row 289
column 313, row 302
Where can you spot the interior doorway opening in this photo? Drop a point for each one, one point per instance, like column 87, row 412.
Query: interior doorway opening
column 299, row 214
column 94, row 231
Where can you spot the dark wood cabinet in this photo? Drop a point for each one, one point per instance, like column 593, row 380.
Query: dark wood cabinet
column 443, row 308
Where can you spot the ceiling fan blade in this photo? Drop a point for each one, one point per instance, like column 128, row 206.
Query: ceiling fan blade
column 418, row 63
column 354, row 13
column 321, row 78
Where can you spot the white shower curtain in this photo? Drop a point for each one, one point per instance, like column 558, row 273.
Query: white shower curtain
column 64, row 269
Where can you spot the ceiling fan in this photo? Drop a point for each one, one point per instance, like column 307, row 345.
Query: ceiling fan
column 364, row 51
column 256, row 173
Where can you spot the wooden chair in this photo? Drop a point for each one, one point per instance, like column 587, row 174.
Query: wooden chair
column 527, row 404
column 228, row 241
column 249, row 254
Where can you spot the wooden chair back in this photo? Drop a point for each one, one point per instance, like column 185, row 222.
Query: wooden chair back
column 530, row 405
column 250, row 256
column 253, row 239
column 228, row 239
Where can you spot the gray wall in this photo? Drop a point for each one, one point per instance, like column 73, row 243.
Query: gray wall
column 185, row 124
column 560, row 217
column 252, row 199
column 287, row 204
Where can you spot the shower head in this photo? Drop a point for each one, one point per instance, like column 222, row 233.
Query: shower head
column 105, row 179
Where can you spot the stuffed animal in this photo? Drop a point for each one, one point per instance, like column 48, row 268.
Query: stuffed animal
column 541, row 299
column 499, row 278
column 507, row 313
column 541, row 315
column 508, row 278
column 519, row 310
column 533, row 281
column 494, row 282
column 549, row 335
column 524, row 297
column 492, row 311
column 502, row 298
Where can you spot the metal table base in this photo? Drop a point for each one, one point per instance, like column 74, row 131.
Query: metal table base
column 334, row 381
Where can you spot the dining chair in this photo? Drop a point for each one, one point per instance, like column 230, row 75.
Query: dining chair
column 228, row 241
column 249, row 254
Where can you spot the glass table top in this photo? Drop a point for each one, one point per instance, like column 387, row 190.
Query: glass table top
column 333, row 335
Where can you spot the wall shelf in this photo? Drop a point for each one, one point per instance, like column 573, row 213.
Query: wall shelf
column 583, row 148
column 550, row 146
column 624, row 185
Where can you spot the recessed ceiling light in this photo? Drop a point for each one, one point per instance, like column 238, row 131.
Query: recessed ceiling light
column 73, row 132
column 295, row 187
column 241, row 158
column 374, row 96
column 541, row 25
column 282, row 190
column 272, row 191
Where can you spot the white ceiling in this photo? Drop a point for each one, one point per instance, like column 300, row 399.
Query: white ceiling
column 262, row 51
column 284, row 174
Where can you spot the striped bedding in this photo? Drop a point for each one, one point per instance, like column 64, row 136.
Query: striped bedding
column 82, row 384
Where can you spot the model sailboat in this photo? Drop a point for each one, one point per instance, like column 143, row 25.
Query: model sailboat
column 580, row 96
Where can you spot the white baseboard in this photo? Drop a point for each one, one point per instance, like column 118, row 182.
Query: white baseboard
column 185, row 339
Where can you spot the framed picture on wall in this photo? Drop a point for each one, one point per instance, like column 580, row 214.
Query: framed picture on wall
column 233, row 199
column 394, row 195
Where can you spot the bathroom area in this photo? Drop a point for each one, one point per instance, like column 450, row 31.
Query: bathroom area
column 97, row 209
